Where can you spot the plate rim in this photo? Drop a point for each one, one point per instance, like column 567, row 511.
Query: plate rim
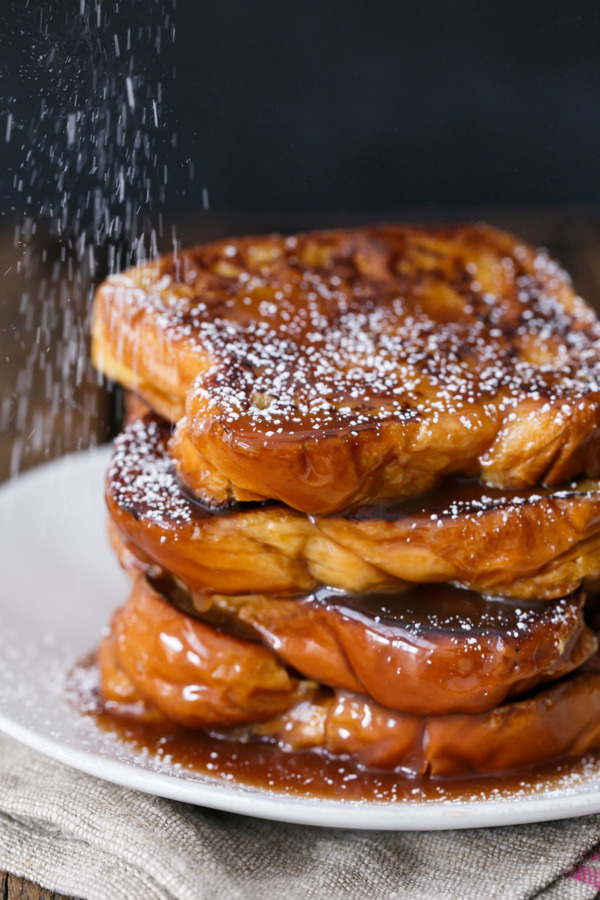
column 428, row 815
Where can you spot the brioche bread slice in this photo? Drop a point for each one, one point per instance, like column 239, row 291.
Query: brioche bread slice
column 532, row 543
column 344, row 367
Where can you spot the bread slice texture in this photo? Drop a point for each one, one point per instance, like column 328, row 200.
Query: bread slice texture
column 532, row 543
column 336, row 368
column 158, row 665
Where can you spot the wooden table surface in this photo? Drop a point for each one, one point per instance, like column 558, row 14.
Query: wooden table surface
column 572, row 235
column 13, row 888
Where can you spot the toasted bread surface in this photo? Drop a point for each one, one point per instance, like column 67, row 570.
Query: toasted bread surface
column 156, row 663
column 537, row 544
column 343, row 367
column 190, row 671
column 432, row 650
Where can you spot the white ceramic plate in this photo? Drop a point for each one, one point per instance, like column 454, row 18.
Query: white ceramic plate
column 59, row 583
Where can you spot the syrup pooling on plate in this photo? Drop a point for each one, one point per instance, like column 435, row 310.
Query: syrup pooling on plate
column 156, row 666
column 304, row 773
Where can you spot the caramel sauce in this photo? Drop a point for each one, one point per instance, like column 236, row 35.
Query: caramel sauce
column 421, row 609
column 204, row 510
column 308, row 774
column 453, row 497
column 434, row 607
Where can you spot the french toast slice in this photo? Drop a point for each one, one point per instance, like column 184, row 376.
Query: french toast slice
column 432, row 650
column 557, row 720
column 529, row 543
column 344, row 367
column 157, row 664
column 190, row 671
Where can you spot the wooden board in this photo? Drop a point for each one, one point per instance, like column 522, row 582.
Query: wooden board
column 13, row 888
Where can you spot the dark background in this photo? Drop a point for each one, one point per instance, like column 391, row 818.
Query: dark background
column 319, row 106
column 189, row 120
column 339, row 105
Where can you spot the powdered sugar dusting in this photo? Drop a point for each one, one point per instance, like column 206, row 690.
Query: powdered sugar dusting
column 142, row 479
column 347, row 330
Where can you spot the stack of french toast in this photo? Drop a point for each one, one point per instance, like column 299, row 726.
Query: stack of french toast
column 357, row 500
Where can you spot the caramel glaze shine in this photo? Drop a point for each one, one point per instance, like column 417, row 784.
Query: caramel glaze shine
column 430, row 651
column 364, row 410
column 318, row 774
column 343, row 367
column 159, row 664
column 535, row 544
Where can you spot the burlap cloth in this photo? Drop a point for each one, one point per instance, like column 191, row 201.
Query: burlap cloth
column 91, row 839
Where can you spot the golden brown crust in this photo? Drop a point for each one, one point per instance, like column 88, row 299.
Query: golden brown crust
column 427, row 654
column 202, row 479
column 342, row 367
column 561, row 720
column 145, row 676
column 431, row 651
column 189, row 671
column 530, row 544
column 119, row 694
